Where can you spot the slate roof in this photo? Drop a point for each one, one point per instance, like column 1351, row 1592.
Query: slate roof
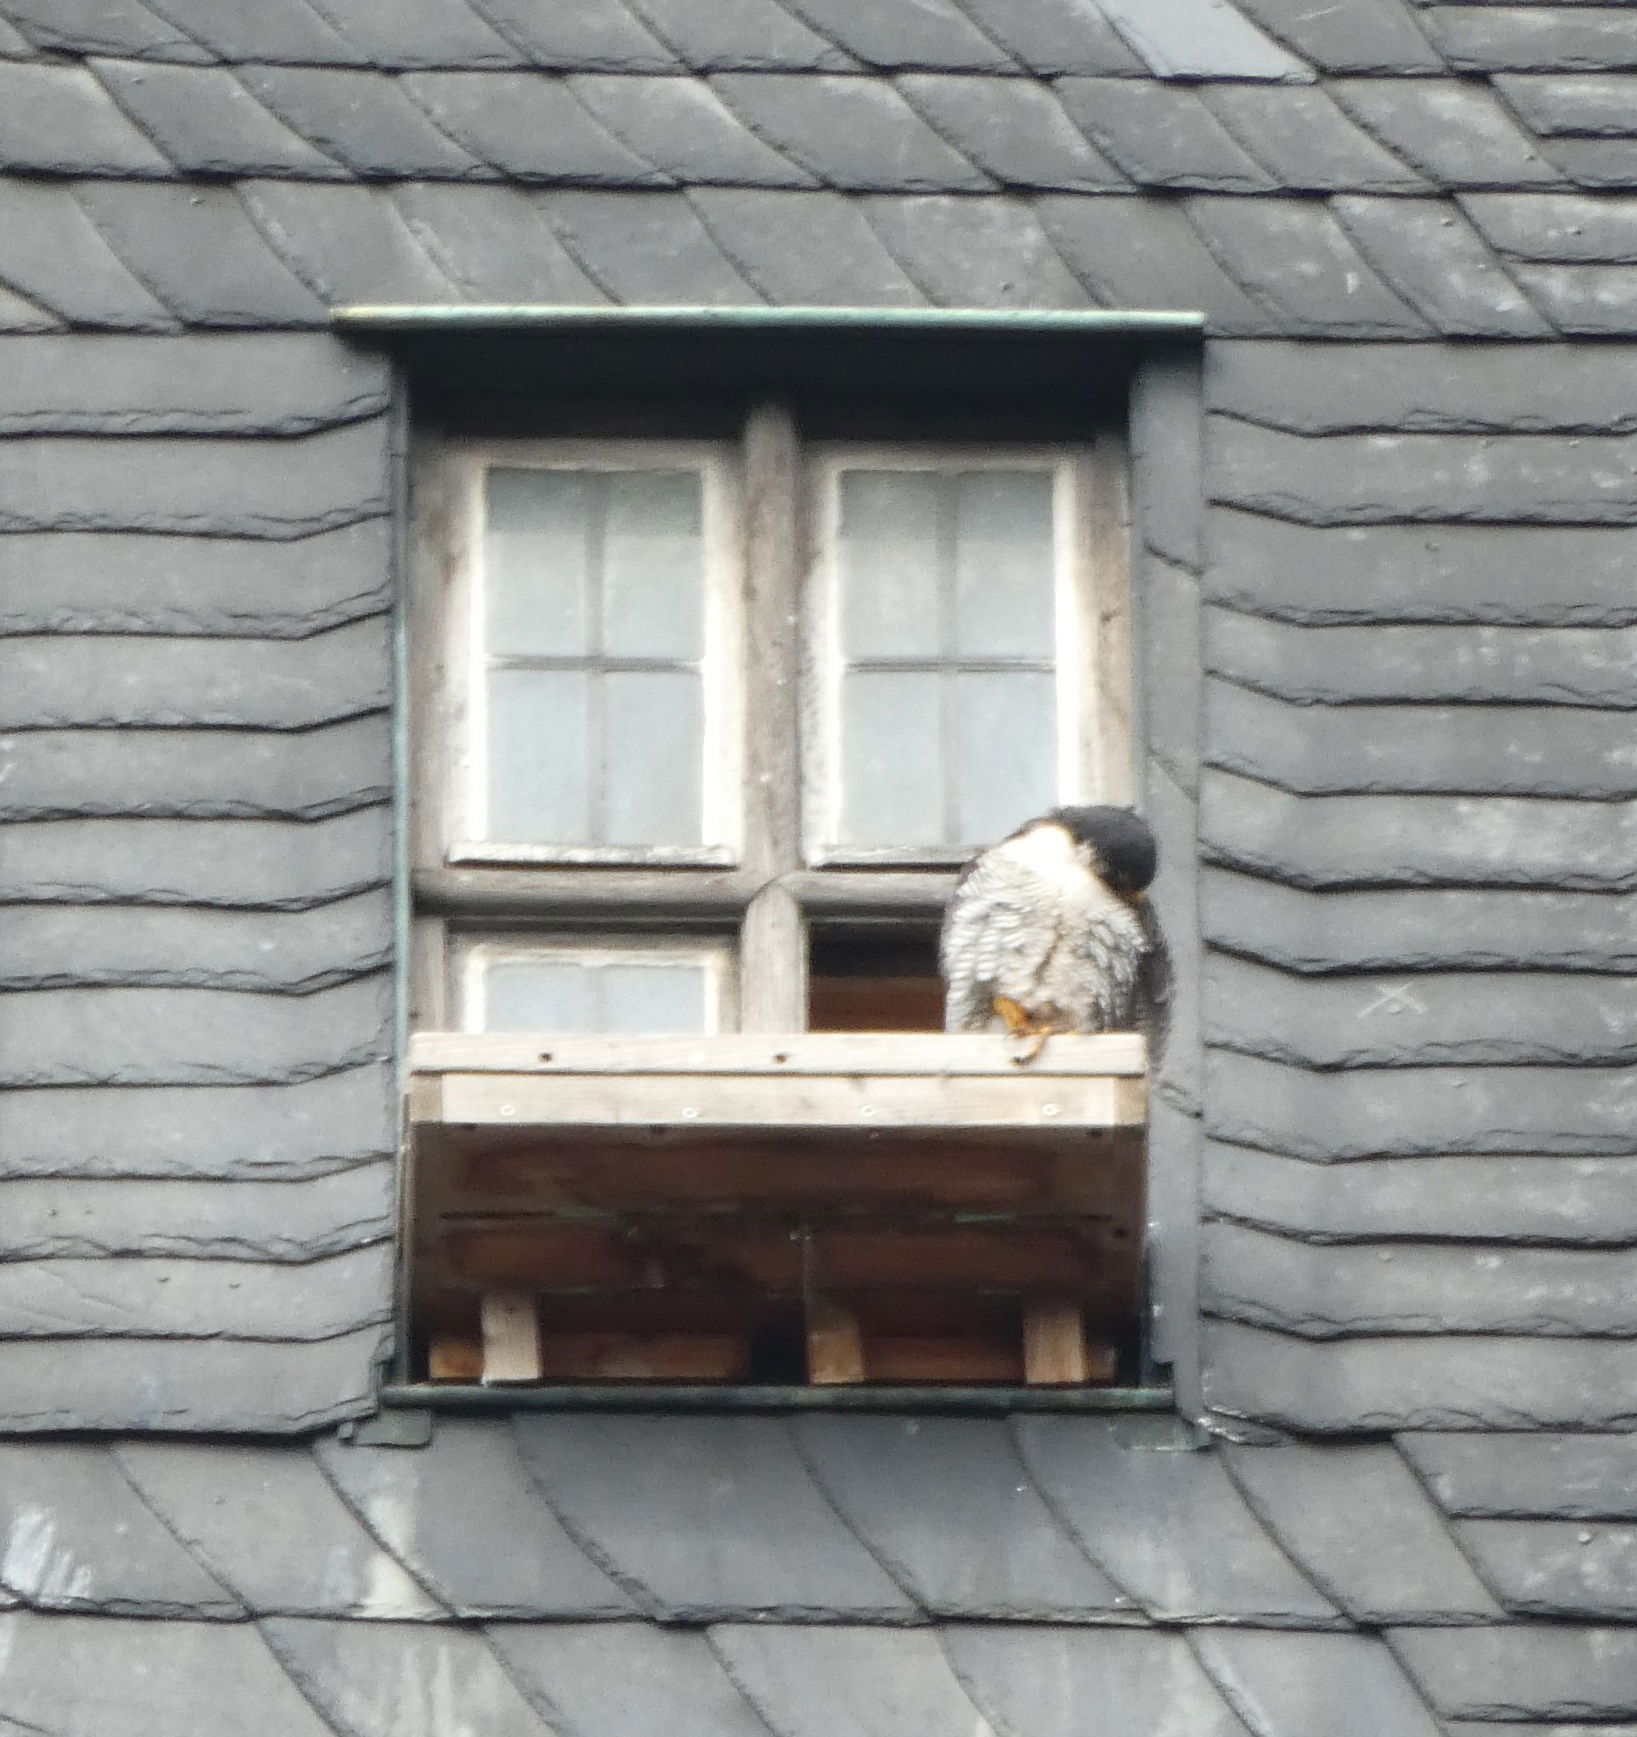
column 1388, row 636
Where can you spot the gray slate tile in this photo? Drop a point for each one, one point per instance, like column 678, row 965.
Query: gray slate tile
column 1419, row 573
column 104, row 27
column 1591, row 1477
column 1400, row 1566
column 746, row 1528
column 1343, row 1685
column 251, row 383
column 14, row 46
column 1513, row 1200
column 178, row 1299
column 413, row 1681
column 169, row 1037
column 1161, row 135
column 79, row 582
column 1055, row 36
column 1575, row 1569
column 1167, row 1526
column 462, row 1515
column 1561, row 1672
column 1202, row 39
column 1438, row 264
column 1550, row 666
column 206, row 1386
column 1381, row 37
column 1595, row 163
column 1473, row 750
column 857, row 134
column 669, row 1683
column 1409, row 1111
column 348, row 243
column 989, row 1548
column 1046, row 1681
column 1569, row 228
column 57, row 120
column 1464, row 1382
column 531, row 129
column 1305, row 142
column 1292, row 254
column 364, row 120
column 1141, row 253
column 932, row 35
column 199, row 250
column 646, row 247
column 61, row 946
column 275, row 32
column 493, row 243
column 199, row 774
column 1548, row 38
column 104, row 680
column 51, row 253
column 1375, row 479
column 1575, row 107
column 815, row 248
column 222, row 487
column 974, row 252
column 1322, row 1291
column 740, row 36
column 110, row 1677
column 1166, row 458
column 847, row 1682
column 51, row 1217
column 1593, row 301
column 417, row 33
column 683, row 128
column 207, row 123
column 1327, row 388
column 1458, row 135
column 592, row 35
column 18, row 315
column 80, row 1539
column 201, row 1132
column 251, row 864
column 1012, row 129
column 233, row 1506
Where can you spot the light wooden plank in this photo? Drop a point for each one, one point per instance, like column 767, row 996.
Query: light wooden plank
column 835, row 1346
column 1054, row 1342
column 805, row 1101
column 454, row 1357
column 511, row 1338
column 935, row 1054
column 773, row 965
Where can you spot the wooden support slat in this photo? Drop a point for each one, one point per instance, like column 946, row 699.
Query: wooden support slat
column 454, row 1357
column 511, row 1338
column 1054, row 1342
column 835, row 1347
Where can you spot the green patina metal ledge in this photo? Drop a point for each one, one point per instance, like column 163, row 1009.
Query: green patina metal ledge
column 633, row 1396
column 500, row 316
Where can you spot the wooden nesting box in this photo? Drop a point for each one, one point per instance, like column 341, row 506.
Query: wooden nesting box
column 832, row 1207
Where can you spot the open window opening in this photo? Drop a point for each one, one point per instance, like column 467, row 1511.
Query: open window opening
column 710, row 707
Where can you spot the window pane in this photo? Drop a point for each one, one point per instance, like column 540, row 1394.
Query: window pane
column 653, row 997
column 888, row 561
column 653, row 565
column 891, row 763
column 653, row 753
column 1003, row 564
column 536, row 563
column 537, row 995
column 537, row 756
column 1005, row 755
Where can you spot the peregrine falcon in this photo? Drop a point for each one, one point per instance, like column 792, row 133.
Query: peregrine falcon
column 1049, row 931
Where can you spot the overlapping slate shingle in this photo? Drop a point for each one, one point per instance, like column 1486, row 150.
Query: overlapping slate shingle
column 1582, row 300
column 1570, row 1673
column 683, row 125
column 1536, row 1476
column 932, row 35
column 1202, row 39
column 1547, row 38
column 1055, row 36
column 1458, row 135
column 1161, row 136
column 815, row 247
column 958, row 251
column 1577, row 107
column 493, row 243
column 1305, row 141
column 1013, row 129
column 1383, row 37
column 1344, row 1685
column 54, row 256
column 58, row 120
column 273, row 31
column 647, row 247
column 104, row 27
column 1570, row 228
column 414, row 33
column 739, row 36
column 1578, row 1569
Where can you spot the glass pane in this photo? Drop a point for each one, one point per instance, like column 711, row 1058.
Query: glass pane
column 891, row 763
column 537, row 756
column 1003, row 564
column 536, row 563
column 1005, row 753
column 653, row 997
column 537, row 995
column 888, row 561
column 653, row 565
column 653, row 736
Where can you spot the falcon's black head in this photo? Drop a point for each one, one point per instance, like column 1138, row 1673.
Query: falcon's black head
column 1121, row 846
